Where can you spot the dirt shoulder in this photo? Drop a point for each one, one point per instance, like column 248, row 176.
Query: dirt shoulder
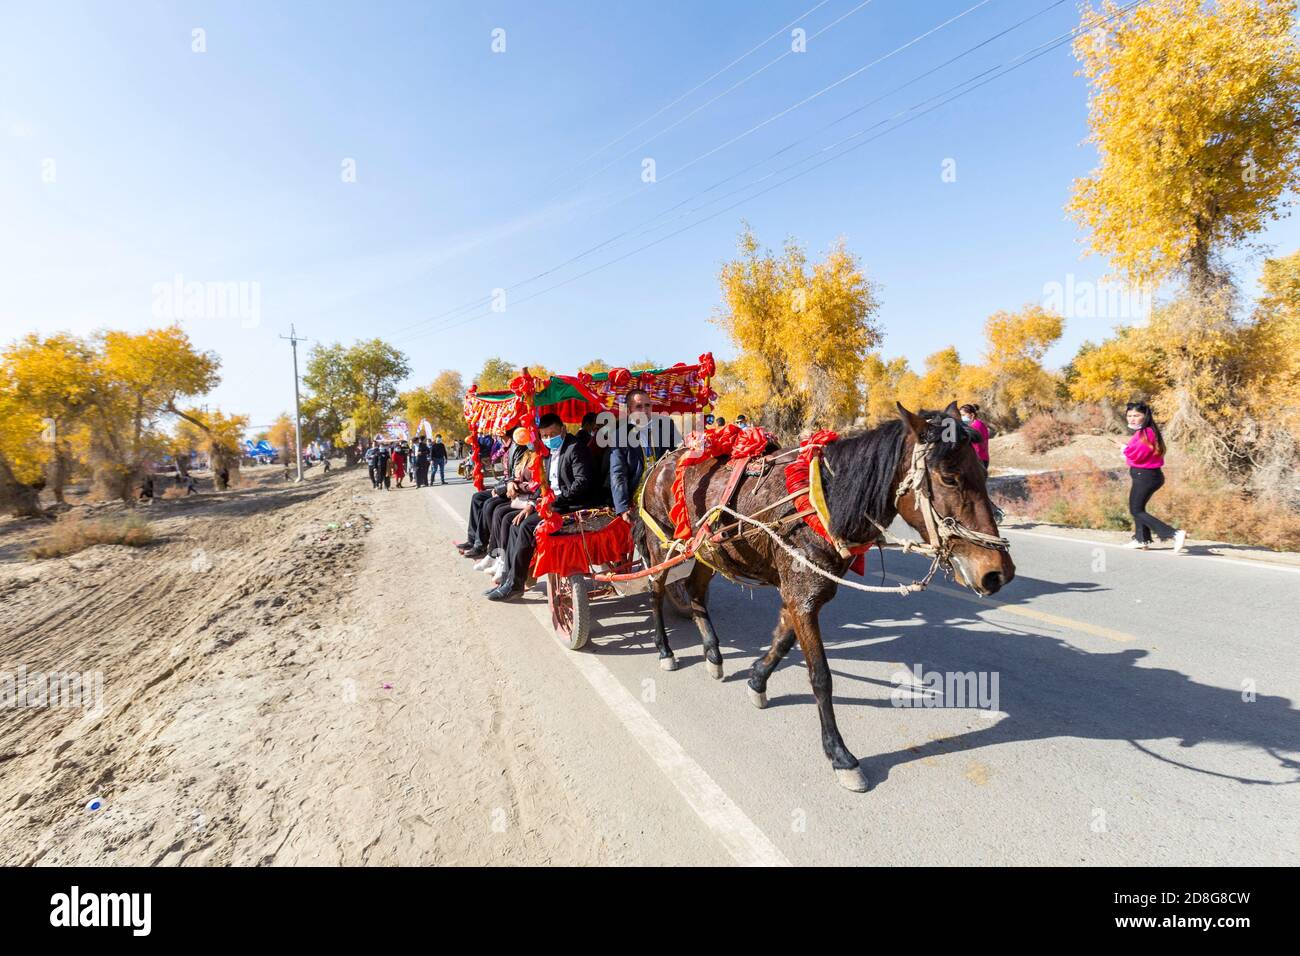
column 279, row 686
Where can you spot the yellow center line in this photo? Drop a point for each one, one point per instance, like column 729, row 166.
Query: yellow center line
column 1120, row 637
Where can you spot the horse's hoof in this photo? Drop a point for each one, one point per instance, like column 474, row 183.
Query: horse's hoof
column 668, row 663
column 715, row 670
column 852, row 778
column 758, row 698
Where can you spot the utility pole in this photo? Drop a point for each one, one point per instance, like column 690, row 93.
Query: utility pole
column 297, row 404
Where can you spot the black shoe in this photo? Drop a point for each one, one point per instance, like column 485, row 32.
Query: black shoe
column 475, row 552
column 464, row 545
column 502, row 593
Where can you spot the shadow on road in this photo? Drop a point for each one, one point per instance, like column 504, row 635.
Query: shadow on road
column 1049, row 688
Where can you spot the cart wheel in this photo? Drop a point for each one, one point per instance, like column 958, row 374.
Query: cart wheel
column 570, row 609
column 679, row 598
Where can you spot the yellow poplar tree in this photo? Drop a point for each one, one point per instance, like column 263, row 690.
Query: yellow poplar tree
column 1195, row 113
column 1013, row 379
column 801, row 333
column 53, row 379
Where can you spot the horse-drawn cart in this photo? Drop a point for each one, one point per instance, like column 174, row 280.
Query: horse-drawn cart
column 584, row 555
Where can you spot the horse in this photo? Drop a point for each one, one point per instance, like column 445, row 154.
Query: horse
column 920, row 467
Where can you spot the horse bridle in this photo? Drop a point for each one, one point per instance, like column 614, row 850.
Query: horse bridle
column 943, row 531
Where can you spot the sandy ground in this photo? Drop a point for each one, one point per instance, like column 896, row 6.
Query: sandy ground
column 280, row 686
column 1009, row 455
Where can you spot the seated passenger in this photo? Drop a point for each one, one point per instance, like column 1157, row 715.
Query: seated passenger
column 475, row 543
column 569, row 472
column 645, row 439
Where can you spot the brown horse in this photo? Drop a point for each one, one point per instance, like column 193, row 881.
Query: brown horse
column 920, row 467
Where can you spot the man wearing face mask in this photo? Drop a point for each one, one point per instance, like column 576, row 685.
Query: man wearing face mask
column 571, row 478
column 646, row 439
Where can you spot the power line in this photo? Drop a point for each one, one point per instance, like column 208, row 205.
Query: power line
column 486, row 299
column 643, row 224
column 707, row 103
column 478, row 303
column 703, row 83
column 1025, row 59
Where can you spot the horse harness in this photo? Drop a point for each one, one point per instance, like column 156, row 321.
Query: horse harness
column 945, row 530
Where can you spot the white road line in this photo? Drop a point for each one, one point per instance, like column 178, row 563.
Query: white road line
column 739, row 835
column 1193, row 558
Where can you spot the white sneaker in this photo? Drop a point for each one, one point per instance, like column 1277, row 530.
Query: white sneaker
column 485, row 563
column 499, row 569
column 1135, row 545
column 1179, row 538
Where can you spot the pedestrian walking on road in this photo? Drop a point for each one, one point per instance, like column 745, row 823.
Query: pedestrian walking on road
column 421, row 461
column 439, row 460
column 1145, row 454
column 399, row 464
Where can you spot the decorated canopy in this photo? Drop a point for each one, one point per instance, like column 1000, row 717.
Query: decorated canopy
column 497, row 413
column 679, row 389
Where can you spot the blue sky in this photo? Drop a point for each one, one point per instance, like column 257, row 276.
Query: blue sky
column 127, row 159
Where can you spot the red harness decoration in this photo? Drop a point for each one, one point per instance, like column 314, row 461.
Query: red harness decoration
column 732, row 440
column 796, row 479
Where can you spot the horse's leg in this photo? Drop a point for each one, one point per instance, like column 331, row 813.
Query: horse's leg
column 666, row 660
column 808, row 631
column 697, row 586
column 652, row 554
column 761, row 670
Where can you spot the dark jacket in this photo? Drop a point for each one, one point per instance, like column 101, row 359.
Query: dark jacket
column 575, row 485
column 439, row 451
column 627, row 460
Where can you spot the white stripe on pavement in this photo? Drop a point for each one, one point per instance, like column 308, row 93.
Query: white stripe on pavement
column 739, row 835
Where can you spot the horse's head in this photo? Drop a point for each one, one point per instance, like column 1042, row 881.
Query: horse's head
column 944, row 496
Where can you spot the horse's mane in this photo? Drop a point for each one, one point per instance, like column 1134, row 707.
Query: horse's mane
column 863, row 465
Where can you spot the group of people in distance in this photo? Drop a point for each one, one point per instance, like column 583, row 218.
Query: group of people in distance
column 590, row 468
column 390, row 462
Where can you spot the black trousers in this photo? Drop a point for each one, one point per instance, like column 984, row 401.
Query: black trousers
column 496, row 535
column 501, row 522
column 1146, row 482
column 519, row 552
column 476, row 533
column 421, row 473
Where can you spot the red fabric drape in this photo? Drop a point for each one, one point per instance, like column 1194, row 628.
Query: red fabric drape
column 730, row 440
column 796, row 479
column 566, row 554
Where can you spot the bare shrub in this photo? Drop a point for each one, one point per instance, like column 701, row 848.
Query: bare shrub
column 72, row 533
column 1044, row 431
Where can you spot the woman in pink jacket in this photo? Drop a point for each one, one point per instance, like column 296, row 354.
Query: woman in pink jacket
column 970, row 414
column 1145, row 454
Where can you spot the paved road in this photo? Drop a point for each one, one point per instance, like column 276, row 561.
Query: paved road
column 1121, row 732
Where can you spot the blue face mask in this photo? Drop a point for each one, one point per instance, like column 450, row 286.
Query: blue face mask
column 554, row 442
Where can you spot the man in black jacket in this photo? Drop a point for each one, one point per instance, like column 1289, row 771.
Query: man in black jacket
column 421, row 461
column 646, row 439
column 570, row 473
